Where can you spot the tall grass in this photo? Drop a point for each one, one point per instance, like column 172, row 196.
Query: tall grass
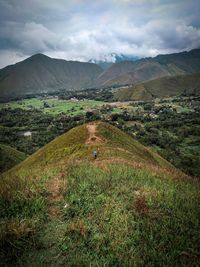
column 23, row 208
column 126, row 217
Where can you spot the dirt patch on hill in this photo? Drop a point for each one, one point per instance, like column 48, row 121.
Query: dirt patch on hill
column 93, row 138
column 54, row 196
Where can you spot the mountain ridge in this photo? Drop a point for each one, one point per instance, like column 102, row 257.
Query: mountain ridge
column 111, row 144
column 40, row 73
column 151, row 68
column 163, row 87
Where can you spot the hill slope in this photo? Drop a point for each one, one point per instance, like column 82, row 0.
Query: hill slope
column 9, row 157
column 162, row 87
column 73, row 146
column 127, row 207
column 40, row 73
column 151, row 68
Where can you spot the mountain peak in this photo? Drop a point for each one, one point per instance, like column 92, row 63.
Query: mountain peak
column 38, row 56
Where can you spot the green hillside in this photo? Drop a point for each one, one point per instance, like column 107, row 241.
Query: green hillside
column 161, row 88
column 9, row 157
column 127, row 207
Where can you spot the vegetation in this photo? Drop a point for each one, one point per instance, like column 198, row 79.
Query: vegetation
column 170, row 126
column 9, row 157
column 188, row 85
column 127, row 207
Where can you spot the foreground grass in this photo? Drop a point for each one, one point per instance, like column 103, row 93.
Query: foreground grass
column 124, row 217
column 23, row 210
column 118, row 216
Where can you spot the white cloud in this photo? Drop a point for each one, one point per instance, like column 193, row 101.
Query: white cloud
column 8, row 57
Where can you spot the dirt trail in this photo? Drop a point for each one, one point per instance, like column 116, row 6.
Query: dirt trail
column 55, row 196
column 93, row 138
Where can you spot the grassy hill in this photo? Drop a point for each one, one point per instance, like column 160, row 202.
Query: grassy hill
column 162, row 87
column 42, row 74
column 142, row 70
column 9, row 157
column 127, row 207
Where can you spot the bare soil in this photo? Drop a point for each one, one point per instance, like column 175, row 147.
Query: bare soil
column 55, row 197
column 93, row 138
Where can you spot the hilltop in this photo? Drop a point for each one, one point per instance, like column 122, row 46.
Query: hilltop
column 42, row 74
column 162, row 87
column 73, row 145
column 145, row 69
column 9, row 157
column 127, row 207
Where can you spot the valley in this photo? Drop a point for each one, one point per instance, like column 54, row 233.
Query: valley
column 170, row 126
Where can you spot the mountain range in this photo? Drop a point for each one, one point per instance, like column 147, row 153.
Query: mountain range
column 161, row 87
column 129, row 72
column 42, row 74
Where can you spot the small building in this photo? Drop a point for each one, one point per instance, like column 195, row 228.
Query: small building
column 27, row 134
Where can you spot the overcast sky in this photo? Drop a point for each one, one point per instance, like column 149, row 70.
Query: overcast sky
column 85, row 29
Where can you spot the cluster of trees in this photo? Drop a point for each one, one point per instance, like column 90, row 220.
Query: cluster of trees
column 174, row 135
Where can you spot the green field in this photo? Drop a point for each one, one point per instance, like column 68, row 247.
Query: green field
column 54, row 106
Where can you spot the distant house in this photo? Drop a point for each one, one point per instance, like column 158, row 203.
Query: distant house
column 26, row 134
column 74, row 99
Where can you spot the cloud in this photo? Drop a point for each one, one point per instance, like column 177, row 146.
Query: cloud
column 85, row 29
column 27, row 38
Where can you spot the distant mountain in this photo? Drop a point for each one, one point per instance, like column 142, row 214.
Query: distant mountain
column 162, row 87
column 129, row 72
column 40, row 73
column 106, row 61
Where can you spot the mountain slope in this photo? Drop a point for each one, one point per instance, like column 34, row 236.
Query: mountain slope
column 151, row 68
column 127, row 207
column 40, row 73
column 162, row 87
column 9, row 157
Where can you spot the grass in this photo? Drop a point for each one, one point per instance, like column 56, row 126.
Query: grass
column 119, row 216
column 124, row 217
column 9, row 157
column 23, row 209
column 55, row 106
column 129, row 207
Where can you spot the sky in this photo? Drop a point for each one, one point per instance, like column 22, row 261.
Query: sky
column 94, row 29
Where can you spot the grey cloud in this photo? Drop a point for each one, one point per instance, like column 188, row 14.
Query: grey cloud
column 80, row 30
